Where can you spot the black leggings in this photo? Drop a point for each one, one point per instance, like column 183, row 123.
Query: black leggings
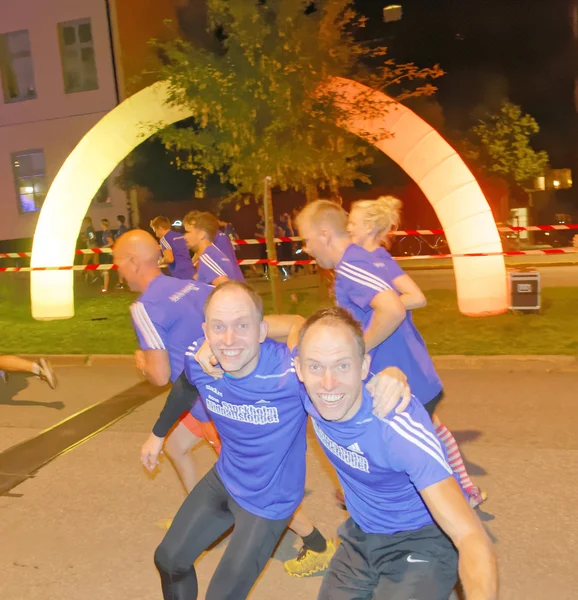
column 206, row 514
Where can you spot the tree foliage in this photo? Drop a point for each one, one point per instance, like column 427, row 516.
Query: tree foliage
column 257, row 102
column 501, row 144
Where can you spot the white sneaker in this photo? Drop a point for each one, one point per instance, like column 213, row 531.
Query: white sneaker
column 46, row 373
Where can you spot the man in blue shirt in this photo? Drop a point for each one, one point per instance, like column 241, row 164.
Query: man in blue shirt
column 166, row 317
column 258, row 480
column 364, row 286
column 213, row 266
column 175, row 251
column 399, row 489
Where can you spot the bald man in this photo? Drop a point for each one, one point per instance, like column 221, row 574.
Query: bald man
column 167, row 318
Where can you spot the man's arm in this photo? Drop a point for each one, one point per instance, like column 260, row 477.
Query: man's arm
column 411, row 295
column 388, row 315
column 389, row 389
column 155, row 365
column 168, row 257
column 477, row 562
column 284, row 328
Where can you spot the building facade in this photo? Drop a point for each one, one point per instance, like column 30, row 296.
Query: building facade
column 63, row 65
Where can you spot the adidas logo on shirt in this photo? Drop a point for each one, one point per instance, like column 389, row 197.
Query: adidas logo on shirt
column 355, row 448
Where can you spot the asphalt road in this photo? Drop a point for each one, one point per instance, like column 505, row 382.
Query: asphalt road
column 86, row 525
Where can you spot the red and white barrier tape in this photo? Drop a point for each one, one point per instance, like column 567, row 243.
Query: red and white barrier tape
column 284, row 263
column 253, row 241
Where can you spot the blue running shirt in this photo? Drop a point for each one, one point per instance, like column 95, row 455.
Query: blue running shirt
column 224, row 244
column 182, row 267
column 382, row 464
column 213, row 263
column 360, row 276
column 169, row 316
column 261, row 422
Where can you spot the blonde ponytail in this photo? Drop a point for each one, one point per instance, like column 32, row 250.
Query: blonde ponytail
column 383, row 214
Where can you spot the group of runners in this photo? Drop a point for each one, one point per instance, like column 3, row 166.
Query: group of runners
column 247, row 383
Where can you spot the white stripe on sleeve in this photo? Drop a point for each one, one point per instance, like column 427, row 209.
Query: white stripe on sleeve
column 420, row 444
column 373, row 286
column 165, row 244
column 146, row 326
column 363, row 274
column 214, row 266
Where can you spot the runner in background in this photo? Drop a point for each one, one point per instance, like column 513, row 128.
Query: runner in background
column 370, row 225
column 213, row 266
column 365, row 286
column 40, row 368
column 105, row 258
column 176, row 255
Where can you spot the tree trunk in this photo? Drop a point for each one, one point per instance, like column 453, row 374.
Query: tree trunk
column 271, row 247
column 311, row 193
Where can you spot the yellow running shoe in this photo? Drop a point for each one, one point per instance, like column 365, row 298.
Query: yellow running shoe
column 308, row 562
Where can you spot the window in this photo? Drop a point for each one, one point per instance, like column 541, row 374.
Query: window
column 16, row 67
column 77, row 54
column 30, row 178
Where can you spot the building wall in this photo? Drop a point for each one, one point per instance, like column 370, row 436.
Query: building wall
column 54, row 121
column 134, row 23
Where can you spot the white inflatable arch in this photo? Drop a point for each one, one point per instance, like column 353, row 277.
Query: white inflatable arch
column 415, row 146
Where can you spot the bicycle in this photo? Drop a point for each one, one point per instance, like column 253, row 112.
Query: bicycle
column 415, row 245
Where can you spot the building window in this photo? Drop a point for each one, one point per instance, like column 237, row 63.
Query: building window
column 16, row 67
column 77, row 54
column 30, row 178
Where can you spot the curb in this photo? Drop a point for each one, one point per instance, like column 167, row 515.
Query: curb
column 508, row 362
column 505, row 362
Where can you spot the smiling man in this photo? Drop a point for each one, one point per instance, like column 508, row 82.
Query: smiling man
column 258, row 480
column 399, row 488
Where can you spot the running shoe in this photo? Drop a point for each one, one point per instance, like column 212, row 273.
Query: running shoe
column 476, row 496
column 46, row 373
column 309, row 562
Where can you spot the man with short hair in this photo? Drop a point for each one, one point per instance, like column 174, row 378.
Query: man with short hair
column 213, row 266
column 222, row 241
column 175, row 253
column 166, row 317
column 400, row 491
column 258, row 480
column 364, row 286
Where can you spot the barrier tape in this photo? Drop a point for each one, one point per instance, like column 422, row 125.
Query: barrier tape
column 284, row 263
column 252, row 241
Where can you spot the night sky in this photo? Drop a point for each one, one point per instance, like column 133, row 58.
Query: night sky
column 492, row 49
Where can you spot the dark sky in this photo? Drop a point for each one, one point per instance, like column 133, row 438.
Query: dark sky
column 491, row 49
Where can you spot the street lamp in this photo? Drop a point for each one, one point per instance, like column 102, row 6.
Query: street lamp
column 392, row 13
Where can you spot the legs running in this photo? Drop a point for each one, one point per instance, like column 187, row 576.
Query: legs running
column 41, row 368
column 455, row 459
column 316, row 551
column 178, row 448
column 202, row 519
column 250, row 547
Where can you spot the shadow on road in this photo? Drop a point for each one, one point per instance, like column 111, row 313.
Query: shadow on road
column 16, row 383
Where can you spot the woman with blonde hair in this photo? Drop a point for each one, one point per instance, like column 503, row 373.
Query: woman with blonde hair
column 369, row 225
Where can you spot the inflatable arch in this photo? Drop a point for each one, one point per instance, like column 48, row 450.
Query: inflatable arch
column 416, row 147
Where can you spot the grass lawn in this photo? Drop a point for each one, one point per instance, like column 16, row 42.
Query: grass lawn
column 102, row 325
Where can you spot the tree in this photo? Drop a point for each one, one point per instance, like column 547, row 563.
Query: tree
column 258, row 109
column 500, row 143
column 259, row 113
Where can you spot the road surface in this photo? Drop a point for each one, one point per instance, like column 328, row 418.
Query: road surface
column 86, row 525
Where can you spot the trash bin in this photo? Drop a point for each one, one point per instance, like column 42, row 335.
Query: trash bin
column 524, row 287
